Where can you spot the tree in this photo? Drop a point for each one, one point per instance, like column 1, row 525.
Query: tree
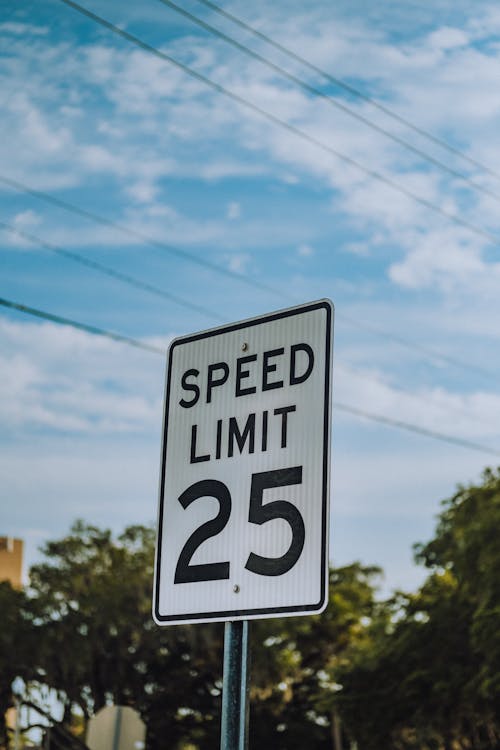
column 419, row 672
column 466, row 548
column 431, row 678
column 91, row 600
column 296, row 662
column 98, row 643
column 17, row 648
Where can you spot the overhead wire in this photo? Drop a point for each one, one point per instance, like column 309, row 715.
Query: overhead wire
column 429, row 353
column 331, row 101
column 80, row 326
column 438, row 357
column 141, row 345
column 193, row 258
column 135, row 283
column 494, row 239
column 113, row 273
column 131, row 232
column 378, row 176
column 349, row 88
column 408, row 426
column 349, row 370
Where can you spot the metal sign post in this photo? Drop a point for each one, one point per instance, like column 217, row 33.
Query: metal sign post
column 234, row 721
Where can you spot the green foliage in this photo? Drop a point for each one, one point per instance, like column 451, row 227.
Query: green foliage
column 296, row 662
column 432, row 678
column 17, row 647
column 91, row 600
column 419, row 672
column 90, row 616
column 98, row 643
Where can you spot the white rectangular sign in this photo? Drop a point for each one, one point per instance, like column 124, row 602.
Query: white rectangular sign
column 244, row 487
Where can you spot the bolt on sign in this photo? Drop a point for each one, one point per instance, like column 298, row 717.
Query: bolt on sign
column 244, row 485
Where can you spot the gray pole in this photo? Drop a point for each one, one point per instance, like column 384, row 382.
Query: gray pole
column 17, row 708
column 117, row 730
column 234, row 722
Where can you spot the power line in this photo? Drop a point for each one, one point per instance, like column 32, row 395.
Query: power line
column 129, row 231
column 80, row 326
column 484, row 233
column 244, row 278
column 277, row 121
column 108, row 271
column 132, row 281
column 337, row 405
column 349, row 88
column 349, row 370
column 330, row 100
column 414, row 346
column 415, row 428
column 135, row 283
column 212, row 266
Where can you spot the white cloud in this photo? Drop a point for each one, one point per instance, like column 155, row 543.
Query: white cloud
column 438, row 257
column 238, row 262
column 472, row 416
column 37, row 131
column 96, row 158
column 222, row 168
column 305, row 251
column 26, row 219
column 447, row 38
column 233, row 210
column 143, row 91
column 450, row 260
column 23, row 29
column 22, row 221
column 56, row 378
column 142, row 192
column 362, row 249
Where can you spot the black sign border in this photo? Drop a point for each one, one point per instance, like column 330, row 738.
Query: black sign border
column 260, row 612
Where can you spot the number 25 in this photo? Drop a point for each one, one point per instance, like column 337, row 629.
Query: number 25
column 258, row 513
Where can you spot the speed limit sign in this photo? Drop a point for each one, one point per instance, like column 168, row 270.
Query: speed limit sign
column 244, row 484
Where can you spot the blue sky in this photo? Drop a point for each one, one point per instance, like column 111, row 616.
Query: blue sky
column 92, row 120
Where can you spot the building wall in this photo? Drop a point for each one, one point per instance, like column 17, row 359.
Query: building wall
column 11, row 560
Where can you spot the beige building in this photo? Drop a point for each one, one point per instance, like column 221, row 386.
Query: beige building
column 11, row 561
column 11, row 569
